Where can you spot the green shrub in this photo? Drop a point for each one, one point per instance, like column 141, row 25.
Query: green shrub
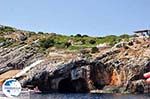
column 31, row 33
column 85, row 36
column 94, row 50
column 2, row 39
column 46, row 43
column 92, row 41
column 84, row 51
column 67, row 44
column 83, row 41
column 7, row 29
column 71, row 36
column 40, row 33
column 5, row 42
column 74, row 48
column 78, row 35
column 125, row 36
column 8, row 43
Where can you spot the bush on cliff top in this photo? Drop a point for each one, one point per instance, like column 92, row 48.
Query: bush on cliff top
column 94, row 50
column 6, row 29
column 46, row 42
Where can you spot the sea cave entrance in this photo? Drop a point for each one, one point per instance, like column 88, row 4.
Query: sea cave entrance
column 73, row 86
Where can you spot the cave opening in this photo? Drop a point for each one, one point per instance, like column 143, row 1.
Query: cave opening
column 73, row 86
column 65, row 86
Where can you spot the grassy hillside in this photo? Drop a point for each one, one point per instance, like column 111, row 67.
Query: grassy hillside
column 12, row 37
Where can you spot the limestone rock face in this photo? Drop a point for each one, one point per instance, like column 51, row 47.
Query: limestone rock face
column 120, row 68
column 16, row 58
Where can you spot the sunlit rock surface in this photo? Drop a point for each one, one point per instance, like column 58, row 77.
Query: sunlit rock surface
column 121, row 69
column 118, row 69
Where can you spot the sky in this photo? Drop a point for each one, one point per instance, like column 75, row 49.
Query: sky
column 69, row 17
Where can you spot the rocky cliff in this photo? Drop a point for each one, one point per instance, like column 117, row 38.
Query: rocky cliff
column 120, row 70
